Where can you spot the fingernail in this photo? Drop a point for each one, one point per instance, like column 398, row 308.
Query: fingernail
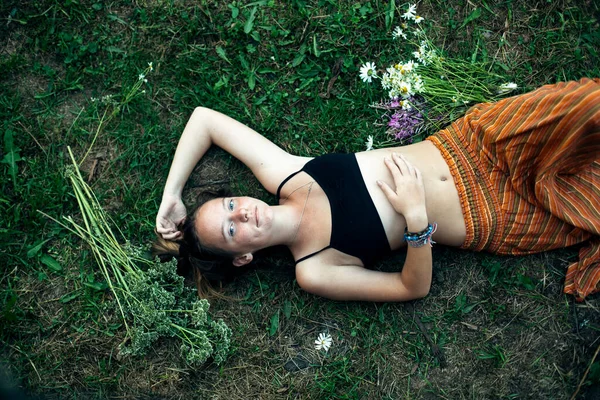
column 379, row 183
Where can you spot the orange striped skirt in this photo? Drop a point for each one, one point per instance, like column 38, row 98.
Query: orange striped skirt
column 527, row 169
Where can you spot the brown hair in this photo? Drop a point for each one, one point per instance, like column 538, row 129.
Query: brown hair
column 206, row 265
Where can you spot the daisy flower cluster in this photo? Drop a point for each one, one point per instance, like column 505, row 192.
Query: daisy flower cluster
column 429, row 91
column 402, row 81
column 403, row 84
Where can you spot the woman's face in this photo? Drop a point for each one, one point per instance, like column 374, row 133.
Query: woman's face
column 237, row 225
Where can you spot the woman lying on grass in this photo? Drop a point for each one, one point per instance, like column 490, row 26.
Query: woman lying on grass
column 518, row 176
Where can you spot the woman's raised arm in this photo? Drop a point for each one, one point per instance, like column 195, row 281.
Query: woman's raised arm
column 268, row 162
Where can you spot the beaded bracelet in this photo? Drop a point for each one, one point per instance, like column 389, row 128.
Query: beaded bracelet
column 421, row 238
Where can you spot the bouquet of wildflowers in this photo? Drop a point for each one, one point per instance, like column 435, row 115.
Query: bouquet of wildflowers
column 428, row 91
column 150, row 297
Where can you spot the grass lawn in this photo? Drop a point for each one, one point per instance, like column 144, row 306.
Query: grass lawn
column 497, row 327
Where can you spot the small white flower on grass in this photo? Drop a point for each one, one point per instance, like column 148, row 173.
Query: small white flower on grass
column 418, row 19
column 507, row 87
column 369, row 143
column 367, row 72
column 141, row 77
column 150, row 66
column 411, row 12
column 398, row 33
column 324, row 341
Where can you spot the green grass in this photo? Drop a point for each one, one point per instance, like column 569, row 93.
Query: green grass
column 505, row 327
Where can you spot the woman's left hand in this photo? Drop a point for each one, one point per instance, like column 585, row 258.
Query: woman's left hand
column 408, row 198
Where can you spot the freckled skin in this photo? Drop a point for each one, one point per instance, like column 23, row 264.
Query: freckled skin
column 235, row 224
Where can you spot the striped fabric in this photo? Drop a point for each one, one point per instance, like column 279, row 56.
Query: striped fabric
column 527, row 169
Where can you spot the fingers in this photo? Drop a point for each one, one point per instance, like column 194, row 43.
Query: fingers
column 171, row 236
column 387, row 190
column 399, row 167
column 167, row 230
column 168, row 233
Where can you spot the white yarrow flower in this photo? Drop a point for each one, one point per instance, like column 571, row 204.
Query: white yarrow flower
column 398, row 33
column 150, row 66
column 369, row 143
column 141, row 77
column 324, row 341
column 411, row 12
column 368, row 72
column 507, row 87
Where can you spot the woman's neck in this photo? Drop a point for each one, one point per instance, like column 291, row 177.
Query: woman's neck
column 288, row 217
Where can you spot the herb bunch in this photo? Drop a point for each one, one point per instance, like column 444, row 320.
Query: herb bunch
column 149, row 295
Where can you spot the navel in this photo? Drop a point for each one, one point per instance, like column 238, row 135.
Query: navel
column 444, row 178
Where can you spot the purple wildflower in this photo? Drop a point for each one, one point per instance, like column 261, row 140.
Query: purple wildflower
column 404, row 124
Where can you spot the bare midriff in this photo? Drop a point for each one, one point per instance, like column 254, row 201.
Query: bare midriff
column 443, row 203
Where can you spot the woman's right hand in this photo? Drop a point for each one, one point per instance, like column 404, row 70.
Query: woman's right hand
column 408, row 196
column 171, row 214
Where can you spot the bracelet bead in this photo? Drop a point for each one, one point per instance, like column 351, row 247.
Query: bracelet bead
column 419, row 239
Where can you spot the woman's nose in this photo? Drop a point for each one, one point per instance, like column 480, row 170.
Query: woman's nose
column 242, row 214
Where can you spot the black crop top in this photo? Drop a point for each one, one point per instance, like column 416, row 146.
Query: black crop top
column 356, row 228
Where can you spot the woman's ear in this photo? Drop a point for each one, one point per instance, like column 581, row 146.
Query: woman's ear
column 243, row 260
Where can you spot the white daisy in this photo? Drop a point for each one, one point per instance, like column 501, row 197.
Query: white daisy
column 398, row 33
column 368, row 72
column 324, row 341
column 411, row 12
column 369, row 143
column 409, row 66
column 405, row 89
column 507, row 87
column 418, row 19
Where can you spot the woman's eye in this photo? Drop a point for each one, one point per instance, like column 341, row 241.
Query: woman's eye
column 231, row 205
column 231, row 229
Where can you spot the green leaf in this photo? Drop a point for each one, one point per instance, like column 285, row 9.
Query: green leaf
column 69, row 297
column 287, row 309
column 221, row 53
column 51, row 263
column 471, row 17
column 34, row 251
column 389, row 16
column 115, row 49
column 96, row 285
column 251, row 81
column 12, row 155
column 250, row 21
column 244, row 62
column 274, row 324
column 298, row 60
column 316, row 51
column 234, row 11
